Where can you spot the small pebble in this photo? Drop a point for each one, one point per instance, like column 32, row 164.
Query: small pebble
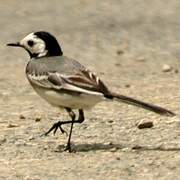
column 127, row 85
column 114, row 149
column 21, row 116
column 108, row 143
column 176, row 71
column 37, row 119
column 12, row 125
column 137, row 147
column 31, row 138
column 143, row 125
column 119, row 52
column 117, row 64
column 2, row 140
column 110, row 121
column 166, row 68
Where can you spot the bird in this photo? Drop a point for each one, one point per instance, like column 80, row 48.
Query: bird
column 65, row 83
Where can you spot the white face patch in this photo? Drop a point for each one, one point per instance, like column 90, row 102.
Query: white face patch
column 38, row 46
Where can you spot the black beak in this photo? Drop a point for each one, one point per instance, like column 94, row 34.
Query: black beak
column 14, row 44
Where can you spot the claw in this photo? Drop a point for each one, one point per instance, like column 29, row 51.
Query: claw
column 62, row 130
column 68, row 148
column 55, row 129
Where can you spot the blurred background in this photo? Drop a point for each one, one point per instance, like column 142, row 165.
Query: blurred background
column 103, row 33
column 134, row 46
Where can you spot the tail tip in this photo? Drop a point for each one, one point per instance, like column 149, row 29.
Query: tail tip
column 169, row 114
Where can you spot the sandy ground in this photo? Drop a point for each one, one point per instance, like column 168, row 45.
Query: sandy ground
column 126, row 42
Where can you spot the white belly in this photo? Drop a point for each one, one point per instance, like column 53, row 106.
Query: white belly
column 82, row 101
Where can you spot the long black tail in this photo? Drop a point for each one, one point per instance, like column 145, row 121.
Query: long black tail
column 135, row 102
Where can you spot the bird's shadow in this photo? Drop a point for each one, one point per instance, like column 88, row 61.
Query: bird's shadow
column 115, row 147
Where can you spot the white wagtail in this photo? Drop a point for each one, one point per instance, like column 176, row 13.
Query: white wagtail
column 65, row 83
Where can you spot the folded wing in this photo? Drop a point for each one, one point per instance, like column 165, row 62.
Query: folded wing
column 82, row 82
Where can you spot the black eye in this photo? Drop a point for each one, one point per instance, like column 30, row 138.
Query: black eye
column 30, row 43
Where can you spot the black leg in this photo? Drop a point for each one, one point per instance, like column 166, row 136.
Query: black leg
column 80, row 120
column 73, row 116
column 57, row 125
column 81, row 116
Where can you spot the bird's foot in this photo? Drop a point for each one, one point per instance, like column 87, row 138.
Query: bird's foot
column 55, row 127
column 69, row 149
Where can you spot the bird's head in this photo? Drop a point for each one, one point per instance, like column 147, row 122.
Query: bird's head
column 39, row 44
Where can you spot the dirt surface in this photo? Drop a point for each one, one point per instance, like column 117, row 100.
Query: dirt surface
column 127, row 43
